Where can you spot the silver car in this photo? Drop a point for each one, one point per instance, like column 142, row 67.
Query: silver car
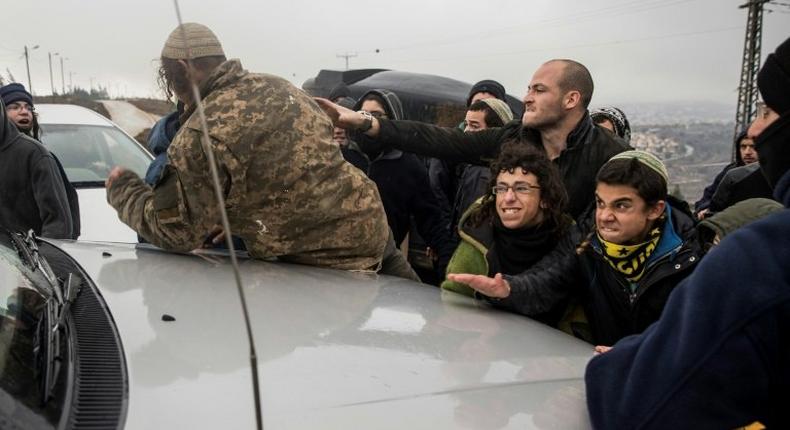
column 129, row 336
column 89, row 145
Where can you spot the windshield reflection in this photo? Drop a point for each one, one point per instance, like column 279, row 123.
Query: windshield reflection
column 89, row 152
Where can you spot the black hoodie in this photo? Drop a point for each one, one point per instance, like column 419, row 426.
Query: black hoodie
column 402, row 180
column 32, row 194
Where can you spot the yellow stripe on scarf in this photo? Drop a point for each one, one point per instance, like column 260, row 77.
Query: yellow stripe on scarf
column 630, row 260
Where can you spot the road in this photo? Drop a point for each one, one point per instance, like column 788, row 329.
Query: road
column 129, row 117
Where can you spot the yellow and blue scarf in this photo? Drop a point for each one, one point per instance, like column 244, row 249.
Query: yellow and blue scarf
column 631, row 260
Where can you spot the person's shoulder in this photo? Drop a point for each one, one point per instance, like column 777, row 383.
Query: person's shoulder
column 736, row 174
column 606, row 140
column 31, row 147
column 751, row 262
column 268, row 83
column 770, row 229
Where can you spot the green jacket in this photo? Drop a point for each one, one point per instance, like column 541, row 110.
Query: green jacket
column 288, row 192
column 470, row 255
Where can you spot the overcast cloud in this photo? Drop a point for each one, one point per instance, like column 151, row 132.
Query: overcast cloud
column 637, row 50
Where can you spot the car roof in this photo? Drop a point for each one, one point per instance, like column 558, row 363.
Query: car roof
column 70, row 114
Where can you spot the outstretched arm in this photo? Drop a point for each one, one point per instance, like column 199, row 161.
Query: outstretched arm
column 446, row 143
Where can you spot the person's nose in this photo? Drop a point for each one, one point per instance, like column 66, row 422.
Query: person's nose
column 755, row 128
column 510, row 195
column 605, row 214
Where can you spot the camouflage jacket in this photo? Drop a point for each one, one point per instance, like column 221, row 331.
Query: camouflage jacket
column 288, row 192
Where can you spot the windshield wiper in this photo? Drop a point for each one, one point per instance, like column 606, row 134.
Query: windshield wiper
column 88, row 184
column 52, row 324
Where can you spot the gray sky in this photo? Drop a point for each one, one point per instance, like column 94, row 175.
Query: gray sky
column 637, row 50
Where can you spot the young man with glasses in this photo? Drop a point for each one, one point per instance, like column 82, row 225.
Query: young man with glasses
column 20, row 109
column 516, row 224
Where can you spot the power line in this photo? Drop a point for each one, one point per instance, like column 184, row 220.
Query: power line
column 586, row 45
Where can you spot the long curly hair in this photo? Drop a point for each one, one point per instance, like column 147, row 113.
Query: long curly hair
column 172, row 74
column 553, row 197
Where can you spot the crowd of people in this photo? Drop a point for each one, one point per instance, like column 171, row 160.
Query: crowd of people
column 551, row 215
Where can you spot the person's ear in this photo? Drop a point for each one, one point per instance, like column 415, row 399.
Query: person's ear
column 572, row 99
column 655, row 211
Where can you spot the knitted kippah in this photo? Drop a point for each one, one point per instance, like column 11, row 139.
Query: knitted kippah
column 500, row 108
column 201, row 41
column 647, row 159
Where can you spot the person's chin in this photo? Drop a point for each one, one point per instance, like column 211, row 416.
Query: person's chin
column 612, row 236
column 512, row 223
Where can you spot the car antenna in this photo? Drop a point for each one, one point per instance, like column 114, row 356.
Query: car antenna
column 206, row 145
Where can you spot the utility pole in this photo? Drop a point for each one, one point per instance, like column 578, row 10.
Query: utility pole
column 62, row 76
column 27, row 64
column 346, row 56
column 71, row 81
column 51, row 81
column 752, row 45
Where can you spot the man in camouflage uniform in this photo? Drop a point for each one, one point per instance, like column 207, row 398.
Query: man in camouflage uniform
column 288, row 191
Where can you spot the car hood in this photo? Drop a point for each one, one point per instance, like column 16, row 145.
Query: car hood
column 335, row 349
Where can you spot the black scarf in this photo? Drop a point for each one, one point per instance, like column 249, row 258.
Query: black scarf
column 514, row 251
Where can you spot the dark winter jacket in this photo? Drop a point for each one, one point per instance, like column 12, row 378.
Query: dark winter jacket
column 738, row 184
column 444, row 183
column 707, row 194
column 402, row 181
column 719, row 357
column 613, row 309
column 588, row 148
column 473, row 182
column 32, row 194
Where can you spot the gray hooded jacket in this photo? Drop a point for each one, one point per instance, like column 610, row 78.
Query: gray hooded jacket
column 32, row 194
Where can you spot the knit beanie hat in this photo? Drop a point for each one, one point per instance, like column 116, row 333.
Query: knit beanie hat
column 645, row 158
column 617, row 118
column 486, row 86
column 201, row 41
column 773, row 80
column 500, row 108
column 15, row 92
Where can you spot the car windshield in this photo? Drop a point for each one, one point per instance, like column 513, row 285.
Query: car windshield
column 89, row 152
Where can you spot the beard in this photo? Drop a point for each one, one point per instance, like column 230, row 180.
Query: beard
column 544, row 118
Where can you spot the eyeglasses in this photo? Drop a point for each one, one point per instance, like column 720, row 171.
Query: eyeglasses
column 378, row 115
column 520, row 188
column 19, row 106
